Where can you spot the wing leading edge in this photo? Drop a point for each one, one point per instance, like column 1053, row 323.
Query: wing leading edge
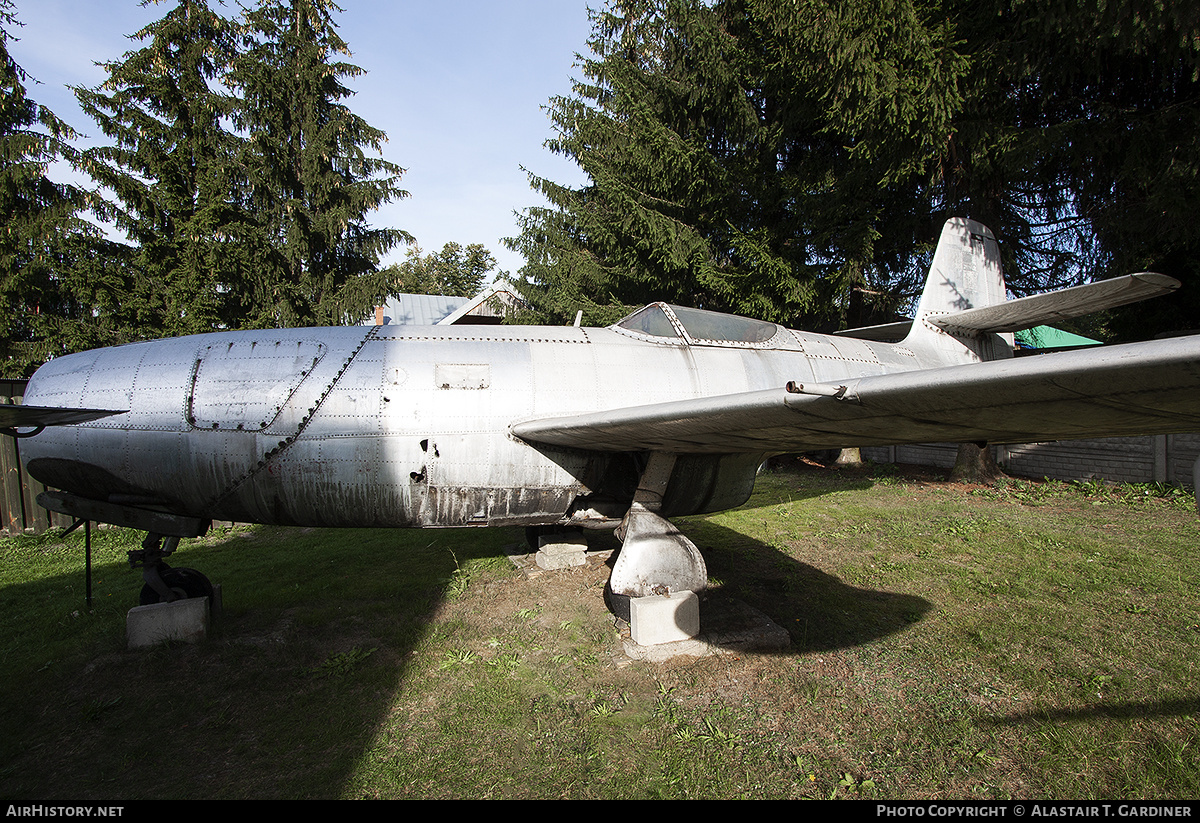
column 1134, row 389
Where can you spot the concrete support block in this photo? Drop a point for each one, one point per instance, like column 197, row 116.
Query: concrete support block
column 184, row 620
column 561, row 551
column 664, row 618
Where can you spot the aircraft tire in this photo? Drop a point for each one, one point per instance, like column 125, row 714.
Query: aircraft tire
column 188, row 582
column 618, row 604
column 532, row 534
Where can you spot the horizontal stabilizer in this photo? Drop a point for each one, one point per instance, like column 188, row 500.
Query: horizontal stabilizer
column 884, row 333
column 13, row 416
column 1037, row 310
column 1064, row 304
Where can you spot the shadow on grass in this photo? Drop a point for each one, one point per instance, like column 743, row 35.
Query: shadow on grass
column 1178, row 707
column 807, row 481
column 316, row 643
column 819, row 611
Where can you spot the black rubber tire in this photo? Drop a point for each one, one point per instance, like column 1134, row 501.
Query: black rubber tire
column 188, row 582
column 618, row 604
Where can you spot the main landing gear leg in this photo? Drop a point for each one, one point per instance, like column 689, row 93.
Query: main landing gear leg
column 655, row 558
column 164, row 584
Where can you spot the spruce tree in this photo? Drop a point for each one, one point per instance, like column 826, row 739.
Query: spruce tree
column 312, row 169
column 172, row 169
column 454, row 271
column 59, row 291
column 1104, row 108
column 795, row 161
column 723, row 169
column 651, row 123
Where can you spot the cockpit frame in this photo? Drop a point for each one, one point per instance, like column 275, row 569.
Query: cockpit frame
column 666, row 323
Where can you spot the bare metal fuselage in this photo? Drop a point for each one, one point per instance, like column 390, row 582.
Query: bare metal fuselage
column 402, row 426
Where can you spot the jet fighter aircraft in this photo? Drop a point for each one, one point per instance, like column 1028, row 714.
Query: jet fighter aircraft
column 669, row 412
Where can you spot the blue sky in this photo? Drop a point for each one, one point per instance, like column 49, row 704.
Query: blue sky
column 458, row 85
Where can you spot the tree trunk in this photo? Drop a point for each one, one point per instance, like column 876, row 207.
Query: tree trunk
column 849, row 457
column 975, row 464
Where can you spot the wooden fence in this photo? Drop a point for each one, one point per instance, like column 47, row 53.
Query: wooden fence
column 21, row 513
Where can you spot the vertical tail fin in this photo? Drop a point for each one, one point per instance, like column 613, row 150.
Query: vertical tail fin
column 965, row 274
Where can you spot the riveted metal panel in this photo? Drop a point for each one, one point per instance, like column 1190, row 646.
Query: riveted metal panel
column 243, row 383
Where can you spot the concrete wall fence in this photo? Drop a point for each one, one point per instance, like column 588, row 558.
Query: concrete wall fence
column 1164, row 458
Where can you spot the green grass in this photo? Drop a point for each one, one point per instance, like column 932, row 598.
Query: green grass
column 1027, row 640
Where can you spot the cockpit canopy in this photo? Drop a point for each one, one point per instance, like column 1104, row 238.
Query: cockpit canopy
column 698, row 326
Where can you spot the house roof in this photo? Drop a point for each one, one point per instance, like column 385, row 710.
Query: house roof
column 489, row 306
column 418, row 309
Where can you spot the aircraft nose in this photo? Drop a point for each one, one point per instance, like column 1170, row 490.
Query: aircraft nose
column 98, row 459
column 207, row 415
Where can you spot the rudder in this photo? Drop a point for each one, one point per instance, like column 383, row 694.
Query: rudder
column 965, row 274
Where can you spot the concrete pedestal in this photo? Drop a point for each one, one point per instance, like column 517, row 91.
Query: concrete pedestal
column 561, row 551
column 183, row 620
column 664, row 618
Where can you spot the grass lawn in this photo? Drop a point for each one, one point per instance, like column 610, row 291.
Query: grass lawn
column 1031, row 640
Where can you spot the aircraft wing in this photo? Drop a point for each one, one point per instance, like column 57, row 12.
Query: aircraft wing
column 1134, row 389
column 12, row 416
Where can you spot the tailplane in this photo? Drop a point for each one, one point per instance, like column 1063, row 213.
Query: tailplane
column 964, row 317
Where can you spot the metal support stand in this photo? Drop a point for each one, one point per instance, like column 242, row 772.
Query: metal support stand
column 656, row 558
